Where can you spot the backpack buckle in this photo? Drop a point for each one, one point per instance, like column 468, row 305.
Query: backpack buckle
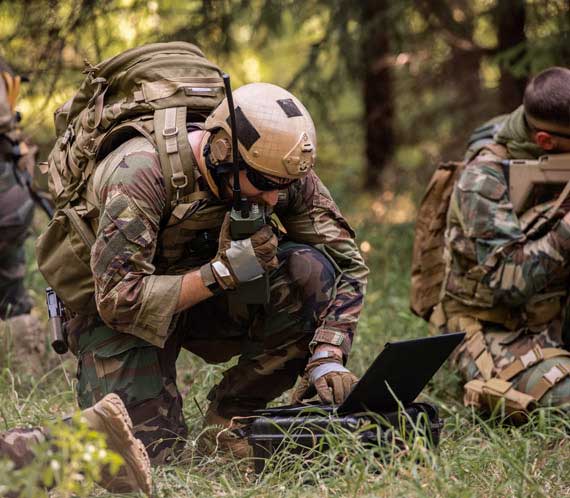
column 179, row 181
column 169, row 132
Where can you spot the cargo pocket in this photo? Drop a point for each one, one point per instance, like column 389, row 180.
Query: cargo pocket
column 124, row 365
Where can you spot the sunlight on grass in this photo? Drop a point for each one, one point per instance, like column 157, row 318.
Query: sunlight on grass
column 475, row 458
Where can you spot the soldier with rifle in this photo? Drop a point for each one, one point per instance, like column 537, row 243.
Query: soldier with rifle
column 24, row 331
column 191, row 256
column 507, row 254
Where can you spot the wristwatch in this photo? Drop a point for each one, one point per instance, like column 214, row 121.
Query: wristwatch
column 209, row 279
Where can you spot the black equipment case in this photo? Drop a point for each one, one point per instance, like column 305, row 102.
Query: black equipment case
column 380, row 406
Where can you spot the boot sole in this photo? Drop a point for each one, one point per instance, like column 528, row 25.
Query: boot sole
column 134, row 454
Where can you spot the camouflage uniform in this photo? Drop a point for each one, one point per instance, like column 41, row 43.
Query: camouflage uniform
column 22, row 331
column 138, row 261
column 504, row 287
column 16, row 212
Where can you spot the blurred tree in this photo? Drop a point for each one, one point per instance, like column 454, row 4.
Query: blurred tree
column 511, row 47
column 390, row 83
column 377, row 87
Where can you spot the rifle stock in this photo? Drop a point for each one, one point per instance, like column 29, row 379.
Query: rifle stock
column 532, row 182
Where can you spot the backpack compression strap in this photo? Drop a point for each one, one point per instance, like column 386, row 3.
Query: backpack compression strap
column 176, row 158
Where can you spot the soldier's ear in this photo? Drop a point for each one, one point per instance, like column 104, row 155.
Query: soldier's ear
column 545, row 140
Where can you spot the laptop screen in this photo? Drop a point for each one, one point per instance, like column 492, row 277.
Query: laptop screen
column 404, row 367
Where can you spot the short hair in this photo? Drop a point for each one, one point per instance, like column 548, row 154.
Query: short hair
column 547, row 96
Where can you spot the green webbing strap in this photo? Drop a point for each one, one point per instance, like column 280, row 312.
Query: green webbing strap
column 554, row 209
column 82, row 229
column 176, row 158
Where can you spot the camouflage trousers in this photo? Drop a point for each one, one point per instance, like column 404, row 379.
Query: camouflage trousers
column 16, row 212
column 535, row 362
column 271, row 342
column 22, row 338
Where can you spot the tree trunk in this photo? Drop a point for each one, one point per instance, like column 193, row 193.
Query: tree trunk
column 510, row 24
column 377, row 91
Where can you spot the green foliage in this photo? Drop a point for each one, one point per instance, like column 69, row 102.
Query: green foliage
column 444, row 59
column 476, row 457
column 71, row 461
column 447, row 71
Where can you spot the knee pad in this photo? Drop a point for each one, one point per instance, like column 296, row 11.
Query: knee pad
column 310, row 271
column 497, row 394
column 541, row 376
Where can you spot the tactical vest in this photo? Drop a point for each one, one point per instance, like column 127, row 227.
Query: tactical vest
column 428, row 265
column 467, row 295
column 188, row 237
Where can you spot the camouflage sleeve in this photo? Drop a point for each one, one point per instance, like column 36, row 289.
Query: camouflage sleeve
column 130, row 297
column 310, row 216
column 486, row 240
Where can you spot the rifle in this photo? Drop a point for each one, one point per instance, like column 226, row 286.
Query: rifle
column 535, row 181
column 539, row 190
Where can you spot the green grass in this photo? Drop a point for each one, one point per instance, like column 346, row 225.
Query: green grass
column 476, row 457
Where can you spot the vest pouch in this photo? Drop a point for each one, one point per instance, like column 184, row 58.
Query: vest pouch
column 63, row 252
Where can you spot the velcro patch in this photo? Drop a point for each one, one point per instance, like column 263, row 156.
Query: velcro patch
column 289, row 107
column 246, row 132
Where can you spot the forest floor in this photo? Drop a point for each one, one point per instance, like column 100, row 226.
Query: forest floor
column 475, row 458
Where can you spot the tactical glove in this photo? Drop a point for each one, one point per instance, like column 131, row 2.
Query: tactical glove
column 326, row 376
column 239, row 261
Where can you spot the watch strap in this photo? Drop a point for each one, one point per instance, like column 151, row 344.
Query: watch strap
column 209, row 279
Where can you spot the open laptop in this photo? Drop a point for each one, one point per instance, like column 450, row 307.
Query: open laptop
column 405, row 366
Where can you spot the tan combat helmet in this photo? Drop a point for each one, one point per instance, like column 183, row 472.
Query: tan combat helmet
column 276, row 133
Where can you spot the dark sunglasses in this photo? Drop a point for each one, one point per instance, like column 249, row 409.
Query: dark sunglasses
column 257, row 179
column 265, row 184
column 553, row 133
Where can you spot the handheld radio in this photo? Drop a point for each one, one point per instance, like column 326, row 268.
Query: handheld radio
column 246, row 217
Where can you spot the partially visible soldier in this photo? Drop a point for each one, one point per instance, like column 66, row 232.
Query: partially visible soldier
column 167, row 279
column 23, row 336
column 508, row 289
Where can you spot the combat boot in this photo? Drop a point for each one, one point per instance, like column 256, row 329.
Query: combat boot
column 110, row 417
column 222, row 434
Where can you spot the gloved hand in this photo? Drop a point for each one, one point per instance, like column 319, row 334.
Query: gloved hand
column 239, row 261
column 326, row 376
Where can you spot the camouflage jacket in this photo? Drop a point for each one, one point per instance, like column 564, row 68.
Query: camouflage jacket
column 490, row 261
column 143, row 248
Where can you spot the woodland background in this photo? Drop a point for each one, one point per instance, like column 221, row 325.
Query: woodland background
column 393, row 86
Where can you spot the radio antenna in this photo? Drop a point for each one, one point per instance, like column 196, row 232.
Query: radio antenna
column 236, row 186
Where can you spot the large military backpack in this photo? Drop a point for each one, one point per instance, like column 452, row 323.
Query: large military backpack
column 151, row 91
column 428, row 265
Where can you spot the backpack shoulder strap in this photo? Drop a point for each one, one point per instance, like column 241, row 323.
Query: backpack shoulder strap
column 176, row 157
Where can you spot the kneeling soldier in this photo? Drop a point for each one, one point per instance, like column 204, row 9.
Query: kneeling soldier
column 164, row 282
column 506, row 282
